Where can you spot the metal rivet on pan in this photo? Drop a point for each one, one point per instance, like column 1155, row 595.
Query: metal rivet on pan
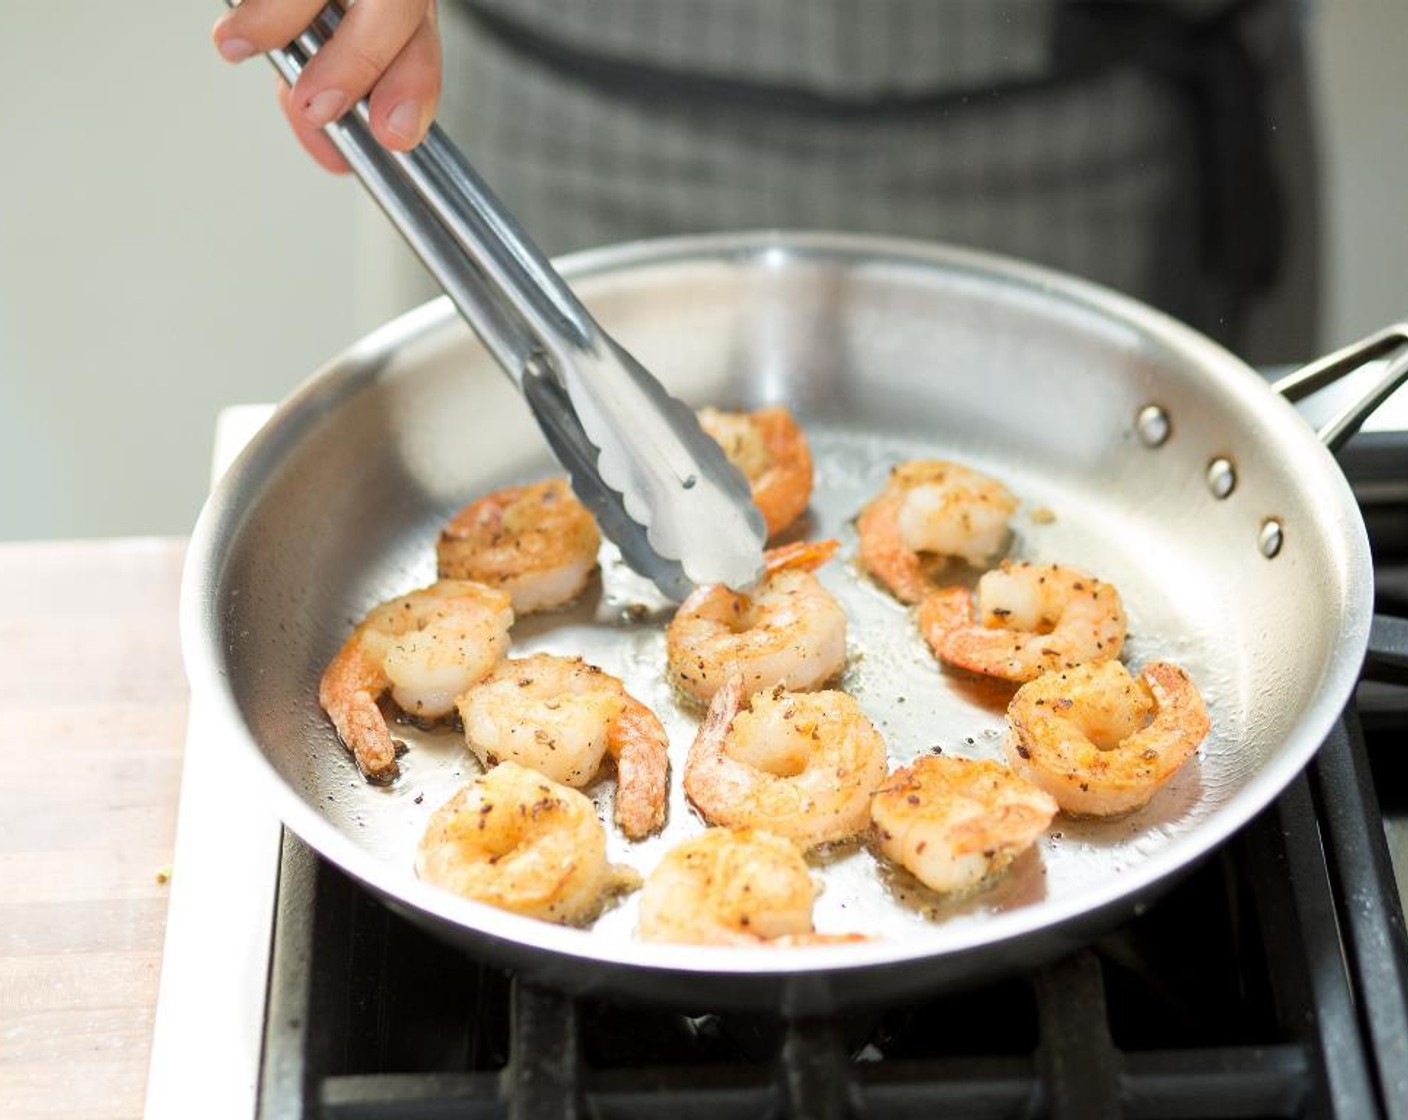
column 1153, row 425
column 1222, row 477
column 1271, row 537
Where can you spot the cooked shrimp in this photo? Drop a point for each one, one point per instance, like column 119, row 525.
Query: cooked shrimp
column 952, row 822
column 559, row 716
column 515, row 840
column 1032, row 619
column 803, row 765
column 789, row 629
column 537, row 542
column 745, row 887
column 424, row 648
column 1102, row 742
column 768, row 446
column 929, row 511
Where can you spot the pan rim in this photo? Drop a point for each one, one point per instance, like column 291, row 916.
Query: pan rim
column 223, row 513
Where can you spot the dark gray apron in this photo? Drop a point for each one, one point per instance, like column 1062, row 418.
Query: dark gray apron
column 1129, row 143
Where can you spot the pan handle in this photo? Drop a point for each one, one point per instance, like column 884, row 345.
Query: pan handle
column 1327, row 370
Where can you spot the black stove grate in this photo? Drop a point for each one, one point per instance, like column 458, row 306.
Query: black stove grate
column 1269, row 983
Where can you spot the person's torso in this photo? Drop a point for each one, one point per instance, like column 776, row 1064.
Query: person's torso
column 838, row 48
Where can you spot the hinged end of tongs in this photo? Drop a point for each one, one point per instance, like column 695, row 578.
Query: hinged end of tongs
column 662, row 489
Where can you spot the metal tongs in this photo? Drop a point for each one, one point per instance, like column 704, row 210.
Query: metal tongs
column 660, row 488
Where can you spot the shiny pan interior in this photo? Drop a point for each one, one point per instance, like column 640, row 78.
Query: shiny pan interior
column 885, row 350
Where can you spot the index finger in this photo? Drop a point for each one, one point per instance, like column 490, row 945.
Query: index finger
column 369, row 38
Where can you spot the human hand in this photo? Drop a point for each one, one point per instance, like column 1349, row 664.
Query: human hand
column 388, row 48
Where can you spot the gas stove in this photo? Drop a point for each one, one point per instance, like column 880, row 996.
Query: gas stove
column 1271, row 981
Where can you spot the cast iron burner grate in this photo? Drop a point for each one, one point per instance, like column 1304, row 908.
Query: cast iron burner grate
column 1271, row 982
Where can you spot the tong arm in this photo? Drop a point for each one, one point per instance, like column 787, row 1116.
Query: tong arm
column 662, row 489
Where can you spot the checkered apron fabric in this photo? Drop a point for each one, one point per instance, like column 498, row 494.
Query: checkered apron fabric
column 601, row 121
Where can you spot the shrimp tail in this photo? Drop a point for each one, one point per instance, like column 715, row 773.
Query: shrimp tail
column 348, row 693
column 784, row 491
column 944, row 612
column 806, row 556
column 883, row 555
column 726, row 704
column 363, row 728
column 641, row 749
column 706, row 753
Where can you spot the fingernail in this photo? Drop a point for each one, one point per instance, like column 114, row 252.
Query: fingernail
column 404, row 120
column 326, row 106
column 235, row 50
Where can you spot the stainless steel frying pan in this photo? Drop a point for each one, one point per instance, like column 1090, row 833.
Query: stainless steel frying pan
column 1142, row 451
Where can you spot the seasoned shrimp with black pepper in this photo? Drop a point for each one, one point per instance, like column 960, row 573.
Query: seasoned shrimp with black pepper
column 514, row 840
column 560, row 716
column 537, row 542
column 769, row 447
column 425, row 649
column 1102, row 742
column 801, row 764
column 1030, row 619
column 928, row 512
column 953, row 822
column 788, row 630
column 746, row 888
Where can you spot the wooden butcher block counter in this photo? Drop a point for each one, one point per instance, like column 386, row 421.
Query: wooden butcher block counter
column 93, row 704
